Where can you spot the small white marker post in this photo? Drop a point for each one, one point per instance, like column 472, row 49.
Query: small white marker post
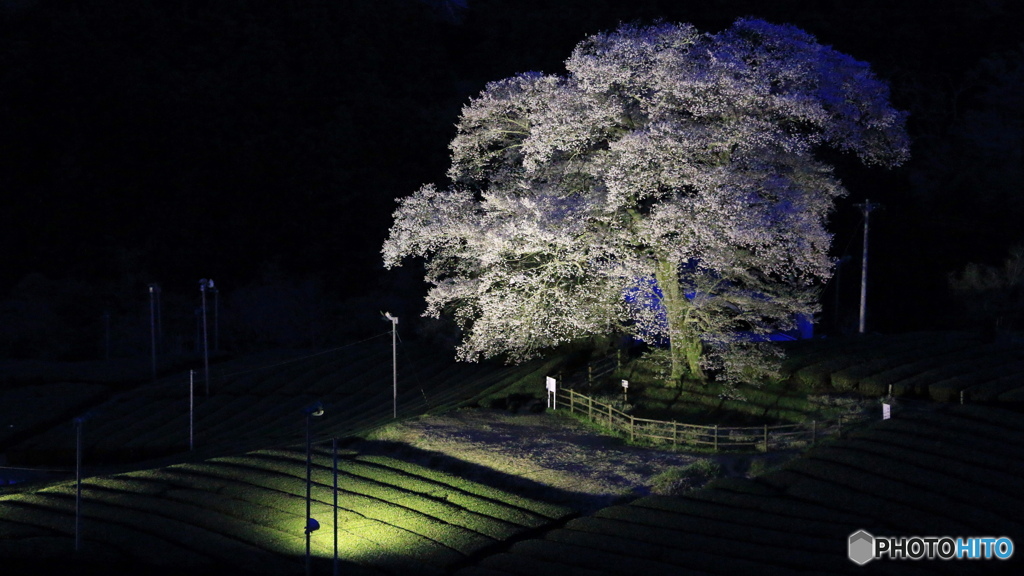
column 552, row 386
column 625, row 390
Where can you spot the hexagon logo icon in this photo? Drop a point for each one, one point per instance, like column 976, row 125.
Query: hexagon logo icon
column 861, row 547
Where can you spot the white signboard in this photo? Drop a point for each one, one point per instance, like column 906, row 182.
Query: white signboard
column 551, row 386
column 625, row 384
column 886, row 411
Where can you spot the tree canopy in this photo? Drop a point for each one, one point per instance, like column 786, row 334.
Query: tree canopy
column 668, row 185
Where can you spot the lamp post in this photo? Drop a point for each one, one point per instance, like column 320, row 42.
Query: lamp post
column 334, row 450
column 205, row 285
column 313, row 410
column 154, row 291
column 216, row 318
column 394, row 363
column 191, row 408
column 78, row 481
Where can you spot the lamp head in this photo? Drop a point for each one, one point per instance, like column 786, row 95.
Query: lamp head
column 315, row 409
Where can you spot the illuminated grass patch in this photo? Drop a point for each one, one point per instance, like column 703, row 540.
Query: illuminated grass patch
column 248, row 512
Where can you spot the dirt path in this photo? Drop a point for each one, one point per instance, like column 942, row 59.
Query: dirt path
column 585, row 468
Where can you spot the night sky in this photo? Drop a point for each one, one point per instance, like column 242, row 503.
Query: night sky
column 263, row 143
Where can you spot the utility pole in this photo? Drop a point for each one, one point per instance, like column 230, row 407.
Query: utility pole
column 866, row 207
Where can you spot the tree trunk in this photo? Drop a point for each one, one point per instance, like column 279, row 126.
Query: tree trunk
column 685, row 346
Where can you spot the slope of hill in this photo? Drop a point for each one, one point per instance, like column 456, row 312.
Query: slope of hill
column 952, row 472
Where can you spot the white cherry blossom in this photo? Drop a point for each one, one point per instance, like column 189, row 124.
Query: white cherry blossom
column 668, row 186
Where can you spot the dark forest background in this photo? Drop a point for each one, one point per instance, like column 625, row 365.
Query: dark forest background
column 262, row 143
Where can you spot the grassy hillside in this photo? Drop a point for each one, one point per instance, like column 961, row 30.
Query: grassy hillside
column 245, row 515
column 237, row 503
column 825, row 378
column 253, row 403
column 933, row 365
column 951, row 472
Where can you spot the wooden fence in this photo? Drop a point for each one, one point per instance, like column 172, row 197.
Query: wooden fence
column 715, row 437
column 597, row 371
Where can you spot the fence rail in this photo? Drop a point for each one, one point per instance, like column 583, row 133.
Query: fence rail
column 717, row 438
column 597, row 371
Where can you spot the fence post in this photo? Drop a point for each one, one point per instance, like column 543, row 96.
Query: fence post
column 632, row 428
column 590, row 407
column 590, row 375
column 716, row 437
column 766, row 438
column 675, row 433
column 610, row 424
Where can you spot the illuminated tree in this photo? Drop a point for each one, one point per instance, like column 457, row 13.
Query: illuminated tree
column 667, row 185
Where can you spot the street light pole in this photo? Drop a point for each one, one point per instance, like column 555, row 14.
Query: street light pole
column 314, row 410
column 191, row 409
column 394, row 363
column 78, row 482
column 205, row 284
column 216, row 318
column 153, row 291
column 334, row 449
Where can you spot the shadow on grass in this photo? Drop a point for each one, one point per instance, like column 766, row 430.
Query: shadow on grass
column 66, row 566
column 581, row 502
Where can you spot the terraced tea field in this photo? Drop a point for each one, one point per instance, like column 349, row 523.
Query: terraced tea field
column 237, row 503
column 245, row 515
column 935, row 365
column 825, row 378
column 951, row 472
column 254, row 405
